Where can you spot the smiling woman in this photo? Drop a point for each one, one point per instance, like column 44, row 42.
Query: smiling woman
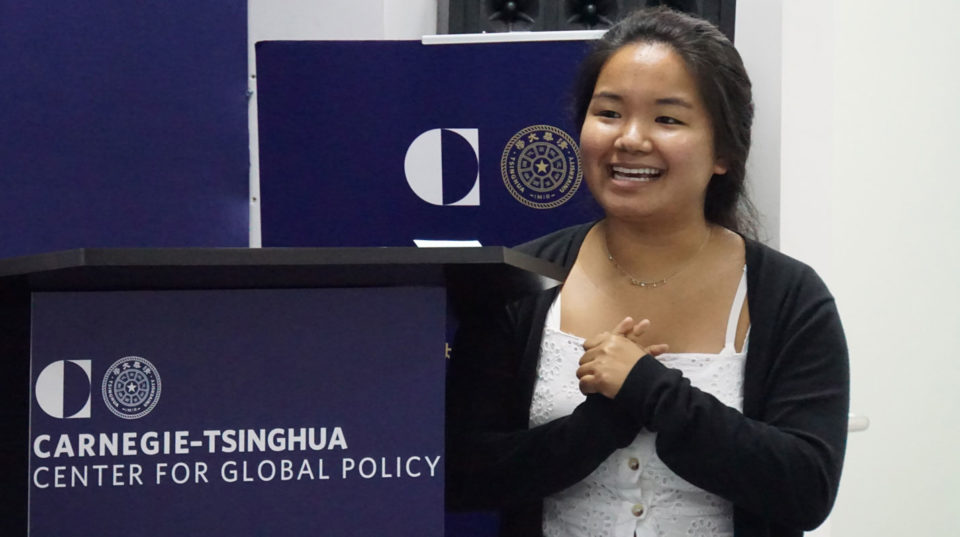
column 684, row 379
column 647, row 139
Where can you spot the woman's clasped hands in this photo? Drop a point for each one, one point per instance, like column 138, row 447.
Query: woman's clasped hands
column 610, row 356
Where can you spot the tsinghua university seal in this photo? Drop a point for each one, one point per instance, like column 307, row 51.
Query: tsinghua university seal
column 131, row 387
column 541, row 167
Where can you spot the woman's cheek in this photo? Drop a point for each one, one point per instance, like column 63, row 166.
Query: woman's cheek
column 593, row 143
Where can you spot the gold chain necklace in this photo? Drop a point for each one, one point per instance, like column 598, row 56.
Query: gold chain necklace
column 662, row 281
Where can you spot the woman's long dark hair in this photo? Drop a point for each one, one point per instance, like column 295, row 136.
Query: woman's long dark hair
column 718, row 70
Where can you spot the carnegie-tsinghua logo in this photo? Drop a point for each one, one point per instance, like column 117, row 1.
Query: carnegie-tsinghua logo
column 131, row 387
column 541, row 166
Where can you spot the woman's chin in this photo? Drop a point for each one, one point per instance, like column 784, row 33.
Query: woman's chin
column 627, row 209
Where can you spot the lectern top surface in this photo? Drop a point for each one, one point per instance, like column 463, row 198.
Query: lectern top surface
column 501, row 269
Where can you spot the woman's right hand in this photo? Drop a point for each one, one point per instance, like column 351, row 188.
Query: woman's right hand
column 634, row 331
column 610, row 356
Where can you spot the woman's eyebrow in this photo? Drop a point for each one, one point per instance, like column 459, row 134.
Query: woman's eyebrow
column 674, row 101
column 663, row 101
column 607, row 95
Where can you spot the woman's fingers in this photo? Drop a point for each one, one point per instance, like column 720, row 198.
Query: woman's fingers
column 609, row 357
column 583, row 371
column 658, row 349
column 625, row 326
column 638, row 329
column 588, row 357
column 587, row 385
column 592, row 342
column 588, row 378
column 636, row 334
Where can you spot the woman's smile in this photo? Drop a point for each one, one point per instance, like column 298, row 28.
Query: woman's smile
column 635, row 174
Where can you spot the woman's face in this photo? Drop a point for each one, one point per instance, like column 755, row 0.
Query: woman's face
column 647, row 140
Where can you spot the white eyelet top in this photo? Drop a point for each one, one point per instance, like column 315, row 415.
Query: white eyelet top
column 633, row 493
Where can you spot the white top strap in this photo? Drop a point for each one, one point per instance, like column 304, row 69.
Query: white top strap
column 735, row 309
column 553, row 315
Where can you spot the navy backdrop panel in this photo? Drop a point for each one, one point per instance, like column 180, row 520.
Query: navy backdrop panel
column 367, row 362
column 337, row 120
column 123, row 124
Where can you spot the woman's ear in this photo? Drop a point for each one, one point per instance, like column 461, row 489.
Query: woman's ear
column 720, row 166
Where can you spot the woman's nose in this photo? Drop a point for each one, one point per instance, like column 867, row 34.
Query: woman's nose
column 633, row 139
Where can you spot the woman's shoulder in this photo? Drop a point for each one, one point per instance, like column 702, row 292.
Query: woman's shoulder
column 560, row 247
column 773, row 273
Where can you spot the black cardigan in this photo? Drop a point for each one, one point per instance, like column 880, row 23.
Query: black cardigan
column 778, row 461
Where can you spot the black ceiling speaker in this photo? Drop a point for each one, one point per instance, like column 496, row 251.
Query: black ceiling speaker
column 476, row 16
column 590, row 14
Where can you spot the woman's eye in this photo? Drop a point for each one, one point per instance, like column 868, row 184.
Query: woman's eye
column 608, row 114
column 669, row 120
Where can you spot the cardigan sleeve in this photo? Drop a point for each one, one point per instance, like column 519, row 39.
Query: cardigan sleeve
column 784, row 464
column 493, row 459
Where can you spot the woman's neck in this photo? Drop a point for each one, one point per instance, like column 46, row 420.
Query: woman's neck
column 650, row 252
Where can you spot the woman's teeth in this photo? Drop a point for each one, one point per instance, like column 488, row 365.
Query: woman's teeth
column 636, row 174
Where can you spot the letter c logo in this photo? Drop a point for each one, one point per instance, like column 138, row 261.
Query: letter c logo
column 441, row 152
column 64, row 386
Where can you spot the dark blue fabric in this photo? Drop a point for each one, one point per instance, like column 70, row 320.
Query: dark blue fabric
column 123, row 124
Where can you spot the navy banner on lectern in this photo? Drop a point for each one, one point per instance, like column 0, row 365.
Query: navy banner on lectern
column 256, row 412
column 379, row 143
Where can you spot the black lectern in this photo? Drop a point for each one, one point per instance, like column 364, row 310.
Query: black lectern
column 234, row 391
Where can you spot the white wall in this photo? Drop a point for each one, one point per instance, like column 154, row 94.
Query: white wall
column 758, row 39
column 896, row 251
column 807, row 148
column 870, row 198
column 806, row 67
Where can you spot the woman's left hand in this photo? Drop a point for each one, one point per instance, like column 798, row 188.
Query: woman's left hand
column 610, row 356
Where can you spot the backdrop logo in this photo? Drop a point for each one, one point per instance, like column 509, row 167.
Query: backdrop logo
column 541, row 167
column 131, row 387
column 443, row 167
column 63, row 389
